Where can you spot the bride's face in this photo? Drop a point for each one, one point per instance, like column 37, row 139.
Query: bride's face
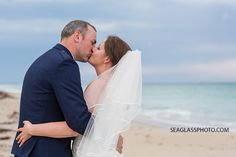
column 98, row 56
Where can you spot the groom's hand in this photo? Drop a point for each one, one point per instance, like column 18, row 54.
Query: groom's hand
column 119, row 146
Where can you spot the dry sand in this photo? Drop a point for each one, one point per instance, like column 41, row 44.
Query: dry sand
column 9, row 114
column 141, row 140
column 150, row 141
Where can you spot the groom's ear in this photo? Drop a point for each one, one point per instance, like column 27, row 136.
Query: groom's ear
column 77, row 36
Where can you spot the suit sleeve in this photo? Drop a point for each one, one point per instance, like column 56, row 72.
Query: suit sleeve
column 67, row 86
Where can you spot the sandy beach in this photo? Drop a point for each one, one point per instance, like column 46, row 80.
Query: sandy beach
column 9, row 112
column 141, row 140
column 150, row 141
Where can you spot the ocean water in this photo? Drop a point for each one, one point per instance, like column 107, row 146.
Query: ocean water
column 190, row 104
column 183, row 104
column 13, row 88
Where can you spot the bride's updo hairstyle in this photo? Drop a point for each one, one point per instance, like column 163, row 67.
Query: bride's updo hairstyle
column 115, row 48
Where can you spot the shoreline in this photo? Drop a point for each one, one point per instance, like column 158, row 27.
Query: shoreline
column 169, row 116
column 140, row 140
column 167, row 124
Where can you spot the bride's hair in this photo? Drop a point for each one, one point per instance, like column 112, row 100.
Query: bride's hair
column 115, row 48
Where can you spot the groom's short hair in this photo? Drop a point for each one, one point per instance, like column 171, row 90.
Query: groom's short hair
column 76, row 25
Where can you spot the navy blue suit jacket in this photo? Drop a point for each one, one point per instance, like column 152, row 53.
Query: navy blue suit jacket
column 52, row 92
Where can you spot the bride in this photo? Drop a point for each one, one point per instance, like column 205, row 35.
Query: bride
column 113, row 98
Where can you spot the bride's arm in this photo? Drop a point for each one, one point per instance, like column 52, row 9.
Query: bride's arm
column 51, row 129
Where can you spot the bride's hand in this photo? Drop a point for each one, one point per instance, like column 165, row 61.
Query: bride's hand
column 25, row 133
column 119, row 146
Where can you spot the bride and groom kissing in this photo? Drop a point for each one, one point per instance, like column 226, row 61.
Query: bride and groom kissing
column 54, row 110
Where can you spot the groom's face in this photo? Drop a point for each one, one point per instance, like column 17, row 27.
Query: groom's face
column 88, row 42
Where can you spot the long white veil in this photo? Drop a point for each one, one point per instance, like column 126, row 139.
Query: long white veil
column 117, row 107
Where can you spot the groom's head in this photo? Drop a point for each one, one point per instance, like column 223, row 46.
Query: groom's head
column 80, row 38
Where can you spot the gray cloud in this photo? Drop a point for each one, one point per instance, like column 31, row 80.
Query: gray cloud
column 171, row 33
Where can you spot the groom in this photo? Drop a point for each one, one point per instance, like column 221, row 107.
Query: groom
column 52, row 91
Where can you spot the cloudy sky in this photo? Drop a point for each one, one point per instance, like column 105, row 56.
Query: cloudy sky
column 180, row 40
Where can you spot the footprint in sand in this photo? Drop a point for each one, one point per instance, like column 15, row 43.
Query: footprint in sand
column 14, row 116
column 148, row 138
column 5, row 138
column 4, row 95
column 2, row 130
column 160, row 144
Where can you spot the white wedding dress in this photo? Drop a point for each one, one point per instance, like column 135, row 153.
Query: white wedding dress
column 114, row 98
